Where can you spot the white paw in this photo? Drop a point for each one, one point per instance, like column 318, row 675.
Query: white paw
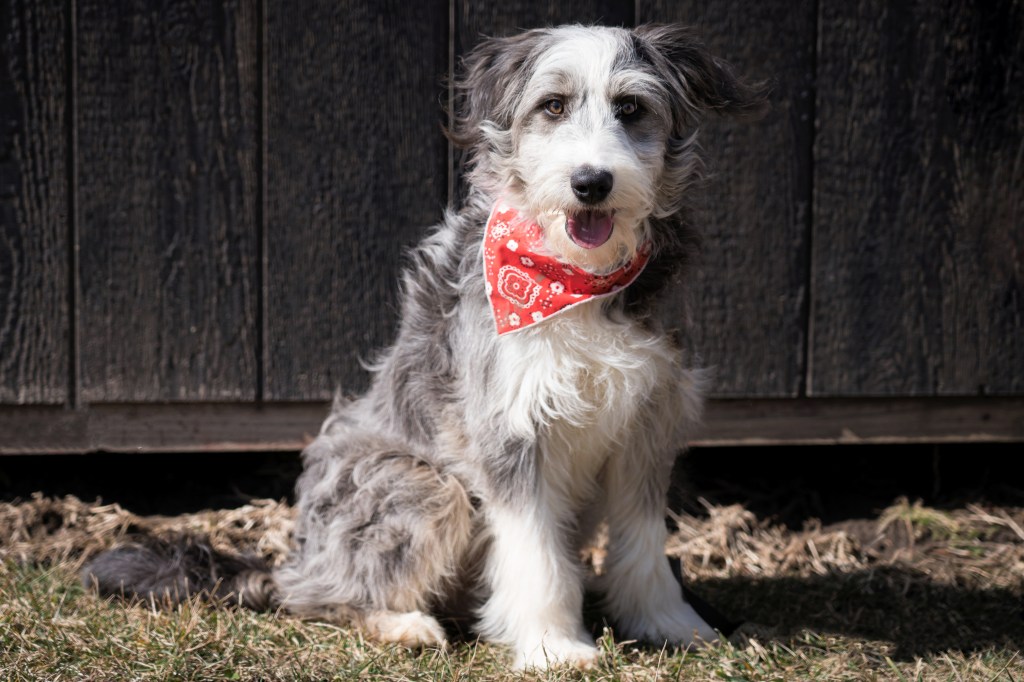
column 413, row 629
column 552, row 651
column 675, row 623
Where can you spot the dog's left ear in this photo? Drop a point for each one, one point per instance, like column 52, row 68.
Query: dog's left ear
column 700, row 81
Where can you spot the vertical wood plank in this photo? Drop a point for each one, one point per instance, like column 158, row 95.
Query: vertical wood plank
column 477, row 19
column 748, row 291
column 356, row 170
column 167, row 107
column 34, row 330
column 919, row 212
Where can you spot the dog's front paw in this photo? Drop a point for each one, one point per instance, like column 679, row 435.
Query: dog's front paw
column 673, row 623
column 552, row 651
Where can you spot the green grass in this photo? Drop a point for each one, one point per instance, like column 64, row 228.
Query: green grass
column 915, row 594
column 50, row 628
column 925, row 521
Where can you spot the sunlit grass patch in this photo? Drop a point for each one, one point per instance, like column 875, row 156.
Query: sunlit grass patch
column 857, row 601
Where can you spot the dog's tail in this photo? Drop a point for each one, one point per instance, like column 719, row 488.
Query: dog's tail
column 178, row 569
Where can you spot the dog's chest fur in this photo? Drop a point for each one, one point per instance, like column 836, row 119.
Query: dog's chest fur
column 577, row 384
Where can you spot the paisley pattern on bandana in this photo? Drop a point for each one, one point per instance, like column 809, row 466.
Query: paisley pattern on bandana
column 526, row 286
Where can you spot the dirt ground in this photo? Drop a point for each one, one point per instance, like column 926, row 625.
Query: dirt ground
column 917, row 552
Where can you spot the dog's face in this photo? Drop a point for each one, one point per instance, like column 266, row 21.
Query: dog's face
column 589, row 130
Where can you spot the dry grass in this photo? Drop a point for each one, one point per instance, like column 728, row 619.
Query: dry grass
column 915, row 594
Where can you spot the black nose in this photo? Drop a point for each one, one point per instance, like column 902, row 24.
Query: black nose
column 591, row 185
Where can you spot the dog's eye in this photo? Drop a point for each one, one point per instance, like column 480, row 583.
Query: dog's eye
column 555, row 107
column 628, row 108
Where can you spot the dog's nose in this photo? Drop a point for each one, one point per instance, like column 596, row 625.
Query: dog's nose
column 591, row 185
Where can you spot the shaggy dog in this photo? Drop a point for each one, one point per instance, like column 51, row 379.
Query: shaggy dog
column 530, row 394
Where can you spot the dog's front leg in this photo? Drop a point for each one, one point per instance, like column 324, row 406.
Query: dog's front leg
column 642, row 596
column 536, row 599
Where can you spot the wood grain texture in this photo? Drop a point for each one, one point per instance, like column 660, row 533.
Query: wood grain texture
column 476, row 19
column 859, row 421
column 748, row 291
column 170, row 427
column 167, row 105
column 246, row 427
column 919, row 209
column 34, row 331
column 356, row 171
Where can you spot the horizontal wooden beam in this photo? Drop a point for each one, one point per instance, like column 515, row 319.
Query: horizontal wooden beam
column 165, row 427
column 850, row 421
column 235, row 427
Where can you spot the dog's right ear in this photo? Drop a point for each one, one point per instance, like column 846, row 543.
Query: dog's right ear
column 489, row 85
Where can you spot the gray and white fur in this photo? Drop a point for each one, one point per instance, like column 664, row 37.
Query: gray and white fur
column 476, row 466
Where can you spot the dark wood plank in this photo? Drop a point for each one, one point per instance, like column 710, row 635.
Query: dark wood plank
column 241, row 427
column 356, row 170
column 172, row 427
column 861, row 421
column 34, row 329
column 748, row 291
column 167, row 126
column 918, row 232
column 477, row 19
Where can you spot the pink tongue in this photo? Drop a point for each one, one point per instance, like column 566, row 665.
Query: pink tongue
column 589, row 229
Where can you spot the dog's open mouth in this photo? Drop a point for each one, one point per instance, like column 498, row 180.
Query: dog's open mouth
column 589, row 229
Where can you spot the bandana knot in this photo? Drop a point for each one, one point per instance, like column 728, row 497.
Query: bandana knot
column 526, row 286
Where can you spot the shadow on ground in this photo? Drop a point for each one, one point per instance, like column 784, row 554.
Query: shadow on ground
column 922, row 607
column 894, row 604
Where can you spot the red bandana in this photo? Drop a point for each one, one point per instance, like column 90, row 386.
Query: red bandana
column 526, row 286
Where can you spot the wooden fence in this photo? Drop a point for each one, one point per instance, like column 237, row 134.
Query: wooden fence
column 203, row 205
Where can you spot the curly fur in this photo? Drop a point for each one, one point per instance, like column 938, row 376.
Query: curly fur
column 475, row 466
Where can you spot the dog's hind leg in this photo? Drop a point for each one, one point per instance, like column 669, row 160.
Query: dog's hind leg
column 379, row 536
column 410, row 628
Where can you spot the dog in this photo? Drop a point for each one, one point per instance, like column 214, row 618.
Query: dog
column 530, row 394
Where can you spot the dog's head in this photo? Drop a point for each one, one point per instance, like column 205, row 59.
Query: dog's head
column 590, row 130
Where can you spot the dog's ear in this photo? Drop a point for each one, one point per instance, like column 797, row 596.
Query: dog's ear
column 488, row 86
column 701, row 82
